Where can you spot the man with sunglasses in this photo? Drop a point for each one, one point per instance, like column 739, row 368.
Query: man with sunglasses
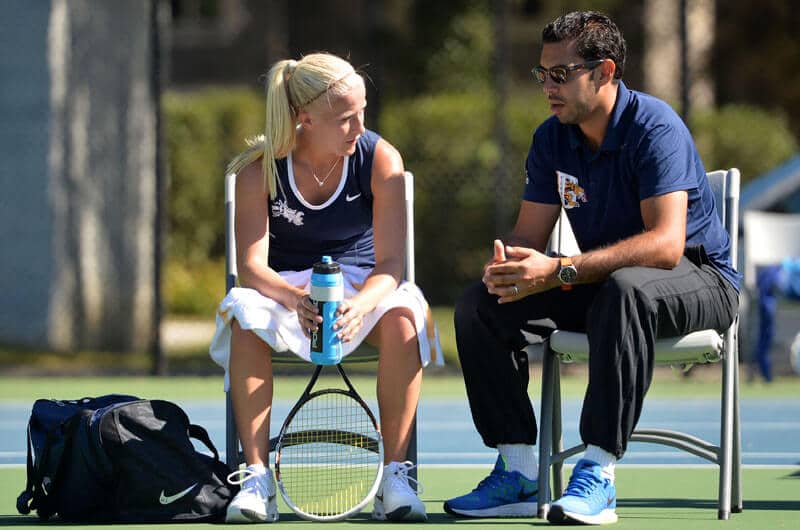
column 655, row 263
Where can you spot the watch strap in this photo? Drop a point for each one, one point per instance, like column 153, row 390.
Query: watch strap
column 566, row 261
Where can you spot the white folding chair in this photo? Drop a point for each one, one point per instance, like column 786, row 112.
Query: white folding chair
column 699, row 347
column 366, row 354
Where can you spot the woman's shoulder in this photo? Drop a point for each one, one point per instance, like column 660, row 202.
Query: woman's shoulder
column 253, row 153
column 369, row 139
column 250, row 179
column 375, row 146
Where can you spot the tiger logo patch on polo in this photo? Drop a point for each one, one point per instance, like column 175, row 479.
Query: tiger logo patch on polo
column 570, row 191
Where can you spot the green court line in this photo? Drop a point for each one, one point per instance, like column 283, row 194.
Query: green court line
column 657, row 499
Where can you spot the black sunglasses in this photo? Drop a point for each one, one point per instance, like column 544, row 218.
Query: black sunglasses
column 560, row 73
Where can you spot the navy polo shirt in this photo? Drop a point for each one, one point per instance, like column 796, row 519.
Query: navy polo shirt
column 646, row 151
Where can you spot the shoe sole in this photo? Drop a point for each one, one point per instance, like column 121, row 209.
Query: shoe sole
column 403, row 513
column 558, row 515
column 520, row 509
column 248, row 516
column 245, row 516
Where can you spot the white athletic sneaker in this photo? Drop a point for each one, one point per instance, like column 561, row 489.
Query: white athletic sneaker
column 256, row 501
column 396, row 500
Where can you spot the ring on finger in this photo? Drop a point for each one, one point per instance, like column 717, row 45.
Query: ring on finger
column 516, row 290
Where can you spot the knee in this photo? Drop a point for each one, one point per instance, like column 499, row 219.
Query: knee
column 245, row 341
column 467, row 306
column 622, row 281
column 398, row 320
column 622, row 284
column 620, row 291
column 395, row 327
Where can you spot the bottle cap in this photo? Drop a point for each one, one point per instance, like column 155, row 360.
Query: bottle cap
column 326, row 266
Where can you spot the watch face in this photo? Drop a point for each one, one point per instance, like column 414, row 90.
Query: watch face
column 567, row 274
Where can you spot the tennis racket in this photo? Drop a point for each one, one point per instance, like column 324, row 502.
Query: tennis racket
column 329, row 453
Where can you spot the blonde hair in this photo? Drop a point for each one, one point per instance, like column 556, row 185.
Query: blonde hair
column 291, row 87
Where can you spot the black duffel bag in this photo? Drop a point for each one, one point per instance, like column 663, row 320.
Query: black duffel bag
column 129, row 460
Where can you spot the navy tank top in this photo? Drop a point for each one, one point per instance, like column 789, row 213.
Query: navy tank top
column 300, row 233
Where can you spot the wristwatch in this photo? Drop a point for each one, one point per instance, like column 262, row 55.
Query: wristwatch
column 567, row 273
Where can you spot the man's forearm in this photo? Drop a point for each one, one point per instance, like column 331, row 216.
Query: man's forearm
column 644, row 250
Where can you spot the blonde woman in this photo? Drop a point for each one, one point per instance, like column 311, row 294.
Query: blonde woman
column 320, row 183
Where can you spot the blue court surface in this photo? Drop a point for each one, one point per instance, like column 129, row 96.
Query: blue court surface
column 770, row 430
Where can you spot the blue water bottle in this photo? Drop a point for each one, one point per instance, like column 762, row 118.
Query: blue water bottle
column 327, row 292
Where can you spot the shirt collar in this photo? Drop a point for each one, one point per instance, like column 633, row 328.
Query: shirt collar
column 614, row 133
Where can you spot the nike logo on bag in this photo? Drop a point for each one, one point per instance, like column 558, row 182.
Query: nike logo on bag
column 163, row 499
column 351, row 198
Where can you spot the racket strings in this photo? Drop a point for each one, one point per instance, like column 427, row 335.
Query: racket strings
column 329, row 460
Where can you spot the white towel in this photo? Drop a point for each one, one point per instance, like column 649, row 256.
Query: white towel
column 279, row 328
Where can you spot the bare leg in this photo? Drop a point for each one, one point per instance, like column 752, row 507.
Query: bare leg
column 250, row 373
column 399, row 379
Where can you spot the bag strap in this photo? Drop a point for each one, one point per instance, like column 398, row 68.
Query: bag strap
column 200, row 433
column 35, row 496
column 24, row 505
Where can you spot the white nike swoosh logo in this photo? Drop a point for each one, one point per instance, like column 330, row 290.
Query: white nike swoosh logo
column 350, row 198
column 163, row 499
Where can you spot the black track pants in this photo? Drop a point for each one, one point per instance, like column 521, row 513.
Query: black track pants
column 622, row 318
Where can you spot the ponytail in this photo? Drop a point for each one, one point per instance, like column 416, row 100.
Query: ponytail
column 281, row 121
column 319, row 73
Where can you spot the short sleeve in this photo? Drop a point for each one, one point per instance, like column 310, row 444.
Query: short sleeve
column 665, row 161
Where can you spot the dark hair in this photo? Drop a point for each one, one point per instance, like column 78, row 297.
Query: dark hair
column 595, row 35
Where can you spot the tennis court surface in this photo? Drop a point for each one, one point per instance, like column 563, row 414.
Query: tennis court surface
column 657, row 487
column 770, row 429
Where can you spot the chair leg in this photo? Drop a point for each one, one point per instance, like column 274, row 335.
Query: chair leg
column 736, row 494
column 411, row 452
column 557, row 434
column 231, row 435
column 545, row 430
column 725, row 456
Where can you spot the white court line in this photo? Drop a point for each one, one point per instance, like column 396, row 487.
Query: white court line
column 666, row 453
column 632, row 466
column 449, row 426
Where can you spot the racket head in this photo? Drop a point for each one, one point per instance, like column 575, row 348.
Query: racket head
column 329, row 456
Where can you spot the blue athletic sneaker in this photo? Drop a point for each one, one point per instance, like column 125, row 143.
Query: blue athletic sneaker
column 589, row 499
column 502, row 494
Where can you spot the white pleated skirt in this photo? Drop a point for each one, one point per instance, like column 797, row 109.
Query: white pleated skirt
column 279, row 328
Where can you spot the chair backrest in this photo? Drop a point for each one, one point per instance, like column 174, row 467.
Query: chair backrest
column 231, row 273
column 768, row 238
column 723, row 183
